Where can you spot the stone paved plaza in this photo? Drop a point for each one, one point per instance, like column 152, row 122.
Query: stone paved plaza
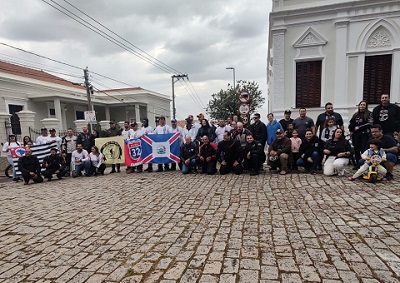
column 167, row 227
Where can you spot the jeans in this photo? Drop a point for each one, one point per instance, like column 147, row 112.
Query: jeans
column 79, row 168
column 10, row 160
column 316, row 158
column 188, row 168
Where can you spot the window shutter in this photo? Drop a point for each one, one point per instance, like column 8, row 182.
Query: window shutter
column 377, row 77
column 308, row 84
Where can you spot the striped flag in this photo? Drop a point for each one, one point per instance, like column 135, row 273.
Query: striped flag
column 40, row 151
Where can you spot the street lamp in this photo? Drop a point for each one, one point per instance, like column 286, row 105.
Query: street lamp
column 234, row 81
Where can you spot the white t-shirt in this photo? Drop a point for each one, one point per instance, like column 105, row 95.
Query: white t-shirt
column 42, row 139
column 7, row 146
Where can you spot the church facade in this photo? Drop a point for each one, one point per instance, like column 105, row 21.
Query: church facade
column 335, row 51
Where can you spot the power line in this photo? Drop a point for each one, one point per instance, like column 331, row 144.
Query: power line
column 159, row 64
column 104, row 35
column 41, row 56
column 122, row 38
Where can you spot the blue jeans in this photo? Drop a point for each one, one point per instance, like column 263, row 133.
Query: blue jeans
column 316, row 158
column 79, row 168
column 10, row 160
column 188, row 168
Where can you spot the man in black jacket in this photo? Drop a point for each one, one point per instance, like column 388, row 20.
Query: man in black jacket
column 53, row 164
column 254, row 155
column 387, row 115
column 30, row 167
column 85, row 138
column 189, row 152
column 208, row 156
column 310, row 152
column 229, row 155
column 258, row 129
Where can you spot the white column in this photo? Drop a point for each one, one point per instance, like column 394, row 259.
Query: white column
column 3, row 131
column 278, row 95
column 341, row 66
column 64, row 117
column 108, row 116
column 57, row 108
column 395, row 84
column 137, row 113
column 27, row 120
column 360, row 76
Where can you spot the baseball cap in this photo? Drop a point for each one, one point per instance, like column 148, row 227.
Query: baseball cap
column 43, row 129
column 173, row 120
column 112, row 122
column 52, row 130
column 279, row 131
column 287, row 111
column 200, row 115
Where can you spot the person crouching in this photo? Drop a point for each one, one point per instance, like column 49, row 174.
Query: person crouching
column 30, row 167
column 53, row 164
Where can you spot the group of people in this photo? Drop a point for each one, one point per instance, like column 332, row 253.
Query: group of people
column 236, row 145
column 322, row 145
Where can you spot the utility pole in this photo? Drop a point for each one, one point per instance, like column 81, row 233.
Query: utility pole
column 173, row 77
column 88, row 92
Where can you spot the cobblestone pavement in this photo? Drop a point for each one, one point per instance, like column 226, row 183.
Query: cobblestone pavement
column 166, row 227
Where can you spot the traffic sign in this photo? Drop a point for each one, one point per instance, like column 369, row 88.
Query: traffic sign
column 90, row 116
column 244, row 97
column 244, row 109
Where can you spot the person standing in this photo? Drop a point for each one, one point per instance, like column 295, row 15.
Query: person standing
column 272, row 126
column 258, row 129
column 43, row 138
column 162, row 128
column 68, row 145
column 53, row 138
column 286, row 120
column 86, row 139
column 11, row 143
column 323, row 116
column 387, row 115
column 113, row 131
column 360, row 129
column 220, row 130
column 303, row 122
column 30, row 167
column 127, row 131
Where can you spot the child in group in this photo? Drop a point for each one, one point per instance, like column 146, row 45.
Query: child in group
column 329, row 127
column 289, row 131
column 296, row 143
column 374, row 149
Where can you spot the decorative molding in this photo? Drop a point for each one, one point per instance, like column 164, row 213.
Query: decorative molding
column 379, row 38
column 310, row 38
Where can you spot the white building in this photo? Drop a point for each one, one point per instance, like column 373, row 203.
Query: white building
column 339, row 51
column 41, row 99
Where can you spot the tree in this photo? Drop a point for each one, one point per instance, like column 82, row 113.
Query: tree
column 226, row 103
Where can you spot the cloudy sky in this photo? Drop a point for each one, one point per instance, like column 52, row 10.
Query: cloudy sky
column 200, row 38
